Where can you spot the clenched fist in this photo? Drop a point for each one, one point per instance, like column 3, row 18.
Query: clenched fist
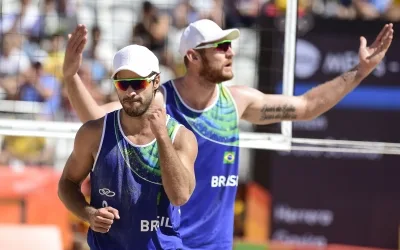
column 101, row 219
column 158, row 121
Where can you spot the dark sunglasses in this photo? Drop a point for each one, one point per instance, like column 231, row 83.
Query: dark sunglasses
column 220, row 46
column 134, row 83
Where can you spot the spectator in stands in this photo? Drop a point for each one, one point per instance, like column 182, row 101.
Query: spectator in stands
column 13, row 60
column 393, row 13
column 186, row 12
column 368, row 9
column 49, row 21
column 343, row 10
column 54, row 62
column 26, row 151
column 21, row 22
column 38, row 86
column 99, row 54
column 151, row 31
column 241, row 13
column 216, row 13
column 68, row 8
column 183, row 14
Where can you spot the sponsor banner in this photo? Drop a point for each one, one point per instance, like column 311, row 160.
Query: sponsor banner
column 326, row 197
column 324, row 49
column 320, row 57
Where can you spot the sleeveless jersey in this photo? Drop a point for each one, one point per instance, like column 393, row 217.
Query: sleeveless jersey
column 127, row 177
column 207, row 218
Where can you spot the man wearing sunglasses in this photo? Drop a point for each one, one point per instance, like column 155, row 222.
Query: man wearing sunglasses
column 212, row 110
column 140, row 161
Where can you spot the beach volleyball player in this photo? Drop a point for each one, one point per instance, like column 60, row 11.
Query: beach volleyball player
column 140, row 161
column 212, row 111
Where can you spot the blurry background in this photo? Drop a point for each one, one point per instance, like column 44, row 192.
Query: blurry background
column 308, row 200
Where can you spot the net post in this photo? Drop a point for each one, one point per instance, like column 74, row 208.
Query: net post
column 289, row 60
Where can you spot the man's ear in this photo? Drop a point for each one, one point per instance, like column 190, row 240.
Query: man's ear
column 193, row 56
column 156, row 82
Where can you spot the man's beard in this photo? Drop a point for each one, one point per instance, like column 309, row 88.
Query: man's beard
column 213, row 74
column 137, row 110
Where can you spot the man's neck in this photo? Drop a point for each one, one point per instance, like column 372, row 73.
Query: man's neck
column 196, row 92
column 138, row 125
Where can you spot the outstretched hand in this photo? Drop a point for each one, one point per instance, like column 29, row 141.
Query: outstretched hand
column 372, row 55
column 73, row 53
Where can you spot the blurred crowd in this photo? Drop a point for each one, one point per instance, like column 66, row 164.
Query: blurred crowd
column 33, row 35
column 347, row 9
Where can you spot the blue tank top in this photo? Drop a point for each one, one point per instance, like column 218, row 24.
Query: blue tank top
column 127, row 177
column 207, row 218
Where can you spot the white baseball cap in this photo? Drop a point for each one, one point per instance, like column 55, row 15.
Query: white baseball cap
column 204, row 31
column 135, row 58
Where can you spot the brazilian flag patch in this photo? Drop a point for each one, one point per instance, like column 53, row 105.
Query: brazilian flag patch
column 229, row 157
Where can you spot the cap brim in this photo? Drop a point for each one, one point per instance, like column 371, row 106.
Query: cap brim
column 140, row 72
column 229, row 34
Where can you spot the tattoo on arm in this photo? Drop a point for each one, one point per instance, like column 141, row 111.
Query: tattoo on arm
column 278, row 112
column 350, row 75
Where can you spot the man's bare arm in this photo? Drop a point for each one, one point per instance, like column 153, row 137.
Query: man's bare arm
column 77, row 168
column 177, row 165
column 259, row 108
column 80, row 98
column 267, row 109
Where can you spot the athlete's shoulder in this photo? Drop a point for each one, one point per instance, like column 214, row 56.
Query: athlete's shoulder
column 184, row 131
column 240, row 91
column 185, row 138
column 90, row 133
column 94, row 124
column 243, row 96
